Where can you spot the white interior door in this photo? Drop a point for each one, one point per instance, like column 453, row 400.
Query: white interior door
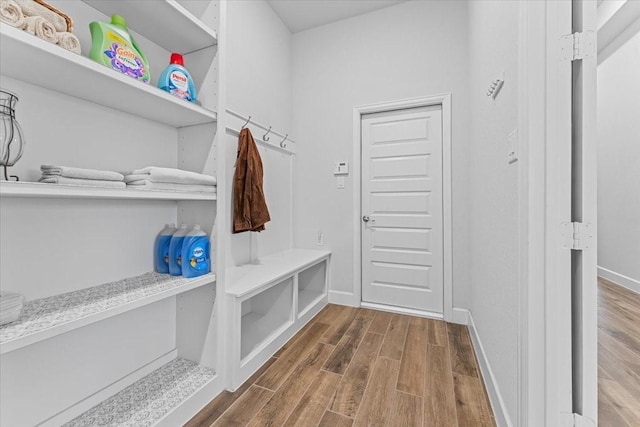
column 402, row 208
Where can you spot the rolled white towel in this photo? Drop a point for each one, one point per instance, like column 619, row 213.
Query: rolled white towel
column 71, row 172
column 144, row 184
column 176, row 176
column 11, row 13
column 83, row 182
column 70, row 42
column 41, row 28
column 31, row 8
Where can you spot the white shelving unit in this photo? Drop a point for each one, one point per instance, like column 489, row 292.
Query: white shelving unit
column 59, row 191
column 131, row 350
column 47, row 317
column 83, row 78
column 172, row 27
column 272, row 299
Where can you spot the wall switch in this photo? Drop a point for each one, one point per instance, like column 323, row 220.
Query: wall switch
column 512, row 151
column 341, row 168
column 340, row 181
column 319, row 238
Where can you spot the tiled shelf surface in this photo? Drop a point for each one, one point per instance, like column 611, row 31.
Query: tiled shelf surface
column 59, row 191
column 47, row 317
column 147, row 401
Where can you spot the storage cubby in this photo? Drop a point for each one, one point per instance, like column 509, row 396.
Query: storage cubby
column 312, row 286
column 265, row 315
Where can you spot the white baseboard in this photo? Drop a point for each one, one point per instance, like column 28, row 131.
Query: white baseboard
column 497, row 403
column 460, row 316
column 401, row 310
column 343, row 298
column 619, row 279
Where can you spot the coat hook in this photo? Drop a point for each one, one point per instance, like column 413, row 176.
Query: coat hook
column 265, row 137
column 246, row 123
column 283, row 143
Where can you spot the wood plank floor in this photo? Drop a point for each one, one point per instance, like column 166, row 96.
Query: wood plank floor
column 359, row 367
column 618, row 355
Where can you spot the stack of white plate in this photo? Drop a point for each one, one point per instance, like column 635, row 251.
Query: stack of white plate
column 10, row 306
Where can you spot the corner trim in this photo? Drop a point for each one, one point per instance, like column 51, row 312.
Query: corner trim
column 343, row 298
column 495, row 398
column 460, row 316
column 619, row 279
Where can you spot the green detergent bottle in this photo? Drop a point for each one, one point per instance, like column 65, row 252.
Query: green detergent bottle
column 113, row 46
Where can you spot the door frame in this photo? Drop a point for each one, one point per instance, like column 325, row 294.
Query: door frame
column 545, row 131
column 444, row 101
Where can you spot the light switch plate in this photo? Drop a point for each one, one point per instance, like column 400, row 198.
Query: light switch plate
column 340, row 180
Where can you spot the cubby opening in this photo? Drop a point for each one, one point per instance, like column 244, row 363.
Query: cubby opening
column 311, row 286
column 265, row 315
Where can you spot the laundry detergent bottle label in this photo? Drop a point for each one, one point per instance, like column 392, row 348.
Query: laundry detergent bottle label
column 179, row 85
column 196, row 257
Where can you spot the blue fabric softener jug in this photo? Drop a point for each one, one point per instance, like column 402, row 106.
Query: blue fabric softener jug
column 175, row 251
column 196, row 257
column 161, row 248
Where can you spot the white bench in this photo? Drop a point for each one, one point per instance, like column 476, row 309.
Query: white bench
column 273, row 298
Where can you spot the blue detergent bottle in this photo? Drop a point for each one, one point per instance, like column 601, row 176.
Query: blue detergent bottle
column 175, row 250
column 161, row 248
column 176, row 80
column 196, row 254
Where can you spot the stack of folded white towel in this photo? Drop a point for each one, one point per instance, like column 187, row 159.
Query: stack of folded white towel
column 36, row 19
column 169, row 179
column 11, row 305
column 78, row 176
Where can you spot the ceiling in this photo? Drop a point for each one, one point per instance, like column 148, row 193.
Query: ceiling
column 300, row 15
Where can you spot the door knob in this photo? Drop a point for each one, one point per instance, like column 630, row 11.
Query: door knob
column 365, row 218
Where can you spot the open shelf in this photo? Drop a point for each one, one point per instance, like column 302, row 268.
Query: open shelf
column 173, row 27
column 311, row 286
column 38, row 62
column 249, row 278
column 61, row 191
column 47, row 317
column 264, row 315
column 151, row 399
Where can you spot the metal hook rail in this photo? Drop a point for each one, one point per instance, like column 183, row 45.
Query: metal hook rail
column 249, row 120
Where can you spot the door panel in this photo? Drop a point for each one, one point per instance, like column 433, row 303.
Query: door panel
column 402, row 242
column 399, row 238
column 406, row 202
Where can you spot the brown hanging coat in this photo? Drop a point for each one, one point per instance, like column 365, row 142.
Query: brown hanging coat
column 250, row 211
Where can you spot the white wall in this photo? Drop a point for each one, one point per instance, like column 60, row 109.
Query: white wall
column 410, row 50
column 619, row 165
column 258, row 73
column 493, row 191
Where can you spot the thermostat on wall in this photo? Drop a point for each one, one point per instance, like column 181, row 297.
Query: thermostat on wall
column 341, row 168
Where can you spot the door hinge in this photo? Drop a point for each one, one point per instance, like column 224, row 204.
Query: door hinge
column 582, row 421
column 576, row 236
column 577, row 46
